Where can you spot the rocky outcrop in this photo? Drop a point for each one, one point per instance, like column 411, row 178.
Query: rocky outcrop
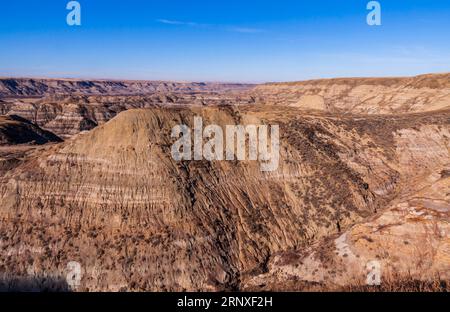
column 114, row 200
column 362, row 182
column 408, row 241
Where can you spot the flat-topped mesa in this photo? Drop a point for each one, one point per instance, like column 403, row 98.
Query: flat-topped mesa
column 361, row 95
column 36, row 87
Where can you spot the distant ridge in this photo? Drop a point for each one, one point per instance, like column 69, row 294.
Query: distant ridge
column 433, row 81
column 362, row 95
column 21, row 87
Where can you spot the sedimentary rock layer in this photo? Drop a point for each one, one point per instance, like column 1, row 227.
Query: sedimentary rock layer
column 114, row 200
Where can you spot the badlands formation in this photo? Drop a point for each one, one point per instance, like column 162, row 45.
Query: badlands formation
column 363, row 180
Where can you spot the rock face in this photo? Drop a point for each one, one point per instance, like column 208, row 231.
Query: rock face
column 361, row 95
column 410, row 239
column 114, row 200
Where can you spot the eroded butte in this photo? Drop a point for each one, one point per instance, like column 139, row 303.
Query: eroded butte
column 364, row 176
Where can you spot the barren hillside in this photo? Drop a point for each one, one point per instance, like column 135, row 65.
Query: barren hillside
column 114, row 200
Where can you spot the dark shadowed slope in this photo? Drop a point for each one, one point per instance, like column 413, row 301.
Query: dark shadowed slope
column 17, row 130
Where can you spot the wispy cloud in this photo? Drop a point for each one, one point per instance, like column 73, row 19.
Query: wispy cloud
column 245, row 30
column 238, row 29
column 173, row 22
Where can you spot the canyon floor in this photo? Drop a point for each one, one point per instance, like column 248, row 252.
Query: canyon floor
column 363, row 184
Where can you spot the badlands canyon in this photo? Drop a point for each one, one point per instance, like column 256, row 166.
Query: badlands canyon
column 86, row 175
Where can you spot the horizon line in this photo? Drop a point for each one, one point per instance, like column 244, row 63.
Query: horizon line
column 74, row 78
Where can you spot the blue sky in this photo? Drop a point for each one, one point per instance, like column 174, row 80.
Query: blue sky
column 232, row 40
